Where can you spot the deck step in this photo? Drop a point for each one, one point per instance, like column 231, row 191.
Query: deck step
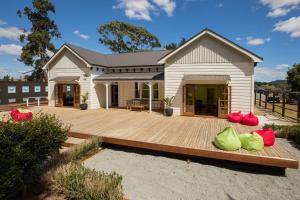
column 79, row 135
column 71, row 141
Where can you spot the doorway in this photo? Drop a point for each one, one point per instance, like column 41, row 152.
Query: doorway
column 208, row 100
column 114, row 95
column 67, row 95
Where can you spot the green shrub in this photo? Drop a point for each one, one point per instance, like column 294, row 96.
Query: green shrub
column 286, row 131
column 24, row 148
column 77, row 182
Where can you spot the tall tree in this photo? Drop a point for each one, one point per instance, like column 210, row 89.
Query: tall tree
column 293, row 77
column 123, row 37
column 38, row 40
column 173, row 45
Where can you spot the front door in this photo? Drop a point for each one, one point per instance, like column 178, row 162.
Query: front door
column 224, row 102
column 67, row 95
column 188, row 100
column 114, row 95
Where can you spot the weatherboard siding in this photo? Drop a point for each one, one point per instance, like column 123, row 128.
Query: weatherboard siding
column 67, row 64
column 207, row 56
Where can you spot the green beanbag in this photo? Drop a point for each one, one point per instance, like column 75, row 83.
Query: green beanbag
column 228, row 140
column 251, row 142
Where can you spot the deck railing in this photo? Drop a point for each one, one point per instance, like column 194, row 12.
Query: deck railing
column 38, row 99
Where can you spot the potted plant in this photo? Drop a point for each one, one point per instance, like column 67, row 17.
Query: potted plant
column 84, row 105
column 168, row 101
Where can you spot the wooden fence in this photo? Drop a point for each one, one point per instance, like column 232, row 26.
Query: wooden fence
column 287, row 106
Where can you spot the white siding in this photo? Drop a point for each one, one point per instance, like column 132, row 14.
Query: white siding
column 209, row 57
column 67, row 64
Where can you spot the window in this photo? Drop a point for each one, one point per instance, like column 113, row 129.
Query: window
column 24, row 99
column 145, row 91
column 155, row 91
column 11, row 100
column 46, row 88
column 136, row 90
column 25, row 89
column 11, row 89
column 37, row 88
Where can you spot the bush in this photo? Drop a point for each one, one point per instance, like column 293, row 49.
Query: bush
column 24, row 148
column 77, row 182
column 285, row 131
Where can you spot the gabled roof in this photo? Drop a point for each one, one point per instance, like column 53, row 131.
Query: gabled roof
column 228, row 42
column 147, row 58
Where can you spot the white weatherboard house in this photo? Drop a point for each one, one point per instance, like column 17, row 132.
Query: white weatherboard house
column 208, row 75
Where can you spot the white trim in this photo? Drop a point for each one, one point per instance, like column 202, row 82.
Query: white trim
column 61, row 49
column 253, row 57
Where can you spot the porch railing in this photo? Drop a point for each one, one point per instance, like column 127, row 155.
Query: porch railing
column 38, row 99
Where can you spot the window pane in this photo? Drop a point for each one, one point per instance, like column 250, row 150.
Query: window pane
column 25, row 89
column 37, row 88
column 46, row 88
column 145, row 91
column 24, row 99
column 137, row 91
column 11, row 89
column 11, row 100
column 155, row 91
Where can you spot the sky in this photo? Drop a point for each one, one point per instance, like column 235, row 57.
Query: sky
column 269, row 28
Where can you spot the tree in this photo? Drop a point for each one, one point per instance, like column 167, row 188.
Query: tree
column 293, row 77
column 123, row 37
column 6, row 78
column 37, row 41
column 173, row 45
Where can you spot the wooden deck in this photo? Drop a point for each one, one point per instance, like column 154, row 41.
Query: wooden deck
column 178, row 134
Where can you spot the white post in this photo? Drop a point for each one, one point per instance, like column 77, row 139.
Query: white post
column 27, row 102
column 150, row 96
column 38, row 99
column 106, row 90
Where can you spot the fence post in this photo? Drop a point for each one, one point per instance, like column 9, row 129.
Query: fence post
column 254, row 97
column 38, row 101
column 298, row 111
column 266, row 99
column 259, row 98
column 283, row 104
column 27, row 102
column 273, row 103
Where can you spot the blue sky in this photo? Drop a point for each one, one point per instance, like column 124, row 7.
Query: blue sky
column 270, row 28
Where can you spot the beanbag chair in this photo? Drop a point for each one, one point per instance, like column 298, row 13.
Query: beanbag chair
column 235, row 117
column 268, row 136
column 251, row 142
column 250, row 120
column 228, row 140
column 20, row 114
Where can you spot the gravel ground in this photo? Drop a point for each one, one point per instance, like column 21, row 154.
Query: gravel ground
column 147, row 176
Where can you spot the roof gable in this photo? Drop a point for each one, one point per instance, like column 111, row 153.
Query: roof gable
column 255, row 58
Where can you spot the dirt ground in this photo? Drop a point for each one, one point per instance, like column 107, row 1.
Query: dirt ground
column 148, row 176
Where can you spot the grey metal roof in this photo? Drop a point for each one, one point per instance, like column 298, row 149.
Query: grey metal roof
column 205, row 77
column 65, row 78
column 130, row 76
column 146, row 58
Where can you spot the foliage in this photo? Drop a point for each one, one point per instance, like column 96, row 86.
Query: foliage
column 85, row 97
column 293, row 77
column 285, row 131
column 37, row 41
column 275, row 86
column 77, row 182
column 24, row 148
column 168, row 101
column 123, row 37
column 173, row 45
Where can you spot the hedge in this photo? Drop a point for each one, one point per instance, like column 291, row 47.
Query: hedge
column 286, row 131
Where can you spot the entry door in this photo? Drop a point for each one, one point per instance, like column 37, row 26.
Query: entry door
column 114, row 95
column 59, row 95
column 76, row 96
column 224, row 102
column 188, row 100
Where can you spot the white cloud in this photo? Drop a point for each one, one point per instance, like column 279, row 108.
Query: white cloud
column 280, row 8
column 238, row 39
column 2, row 22
column 282, row 66
column 290, row 26
column 257, row 41
column 10, row 49
column 80, row 35
column 12, row 33
column 167, row 5
column 142, row 9
column 267, row 74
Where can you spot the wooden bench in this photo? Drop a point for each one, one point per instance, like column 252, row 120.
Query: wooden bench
column 138, row 107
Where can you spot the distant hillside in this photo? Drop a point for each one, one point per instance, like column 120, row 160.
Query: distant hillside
column 275, row 83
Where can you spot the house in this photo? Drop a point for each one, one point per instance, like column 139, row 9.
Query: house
column 208, row 75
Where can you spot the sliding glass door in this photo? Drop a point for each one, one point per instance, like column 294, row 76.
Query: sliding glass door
column 188, row 100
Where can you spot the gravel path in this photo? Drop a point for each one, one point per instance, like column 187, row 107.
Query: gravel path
column 161, row 178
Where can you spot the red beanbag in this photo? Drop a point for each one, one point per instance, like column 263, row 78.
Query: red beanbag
column 268, row 136
column 235, row 117
column 250, row 120
column 20, row 114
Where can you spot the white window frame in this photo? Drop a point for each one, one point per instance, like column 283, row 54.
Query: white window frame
column 11, row 92
column 24, row 99
column 14, row 100
column 25, row 86
column 37, row 86
column 46, row 88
